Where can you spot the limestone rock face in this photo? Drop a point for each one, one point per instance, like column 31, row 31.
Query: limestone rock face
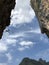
column 41, row 8
column 5, row 11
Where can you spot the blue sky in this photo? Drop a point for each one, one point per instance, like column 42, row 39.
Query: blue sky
column 24, row 38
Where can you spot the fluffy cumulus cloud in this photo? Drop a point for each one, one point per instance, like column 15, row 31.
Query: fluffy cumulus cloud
column 22, row 13
column 25, row 45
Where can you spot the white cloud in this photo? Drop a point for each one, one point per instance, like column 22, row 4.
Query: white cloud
column 11, row 41
column 21, row 48
column 16, row 35
column 5, row 42
column 3, row 47
column 23, row 33
column 9, row 56
column 26, row 43
column 22, row 13
column 34, row 31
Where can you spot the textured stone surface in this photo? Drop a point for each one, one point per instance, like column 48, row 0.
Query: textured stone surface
column 5, row 11
column 41, row 8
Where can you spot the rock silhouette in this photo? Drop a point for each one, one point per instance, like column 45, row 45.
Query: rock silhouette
column 5, row 11
column 27, row 61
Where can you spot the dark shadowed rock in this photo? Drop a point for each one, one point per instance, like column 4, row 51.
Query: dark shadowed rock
column 41, row 8
column 27, row 61
column 5, row 11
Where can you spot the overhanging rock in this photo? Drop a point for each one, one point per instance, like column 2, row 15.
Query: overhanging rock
column 5, row 11
column 41, row 8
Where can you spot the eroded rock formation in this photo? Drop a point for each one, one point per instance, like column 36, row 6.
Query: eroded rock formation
column 41, row 8
column 5, row 11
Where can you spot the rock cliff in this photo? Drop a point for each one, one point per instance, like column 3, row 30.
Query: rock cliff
column 5, row 11
column 41, row 8
column 27, row 61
